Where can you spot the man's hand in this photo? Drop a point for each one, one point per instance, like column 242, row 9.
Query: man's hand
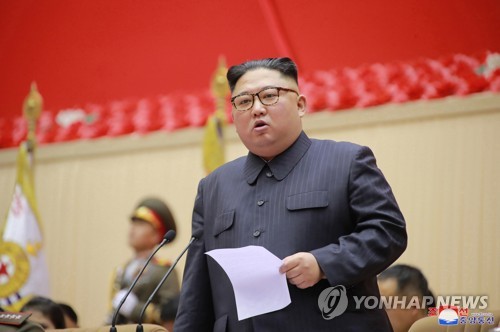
column 302, row 270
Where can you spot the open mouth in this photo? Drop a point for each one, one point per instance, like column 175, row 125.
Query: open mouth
column 259, row 124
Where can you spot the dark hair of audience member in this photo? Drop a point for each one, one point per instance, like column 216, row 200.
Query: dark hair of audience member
column 69, row 312
column 409, row 279
column 47, row 308
column 169, row 310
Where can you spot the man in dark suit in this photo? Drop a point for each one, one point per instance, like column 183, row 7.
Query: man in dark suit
column 323, row 207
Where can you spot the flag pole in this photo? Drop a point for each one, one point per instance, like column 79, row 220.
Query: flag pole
column 32, row 108
column 213, row 143
column 220, row 88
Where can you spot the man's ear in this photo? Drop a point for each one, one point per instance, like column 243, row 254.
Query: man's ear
column 234, row 124
column 301, row 105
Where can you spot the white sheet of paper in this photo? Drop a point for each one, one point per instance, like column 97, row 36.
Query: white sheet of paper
column 258, row 285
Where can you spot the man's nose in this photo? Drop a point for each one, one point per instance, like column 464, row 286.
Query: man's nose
column 258, row 108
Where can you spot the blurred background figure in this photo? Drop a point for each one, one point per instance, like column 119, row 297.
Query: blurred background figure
column 168, row 313
column 150, row 221
column 45, row 312
column 70, row 316
column 6, row 325
column 404, row 280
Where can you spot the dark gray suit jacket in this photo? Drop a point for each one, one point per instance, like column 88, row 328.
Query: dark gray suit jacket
column 324, row 197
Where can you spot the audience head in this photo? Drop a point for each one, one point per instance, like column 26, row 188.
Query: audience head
column 45, row 312
column 405, row 281
column 168, row 313
column 70, row 316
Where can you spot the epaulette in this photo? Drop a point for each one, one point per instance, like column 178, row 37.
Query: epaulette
column 13, row 318
column 162, row 261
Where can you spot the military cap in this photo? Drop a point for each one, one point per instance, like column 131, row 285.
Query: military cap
column 155, row 212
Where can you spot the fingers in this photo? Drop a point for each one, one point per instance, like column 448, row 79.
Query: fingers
column 302, row 269
column 289, row 263
column 299, row 281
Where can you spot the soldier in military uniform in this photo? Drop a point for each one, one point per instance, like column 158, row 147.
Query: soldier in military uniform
column 17, row 322
column 149, row 223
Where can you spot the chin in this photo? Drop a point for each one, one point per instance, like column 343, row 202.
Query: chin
column 263, row 152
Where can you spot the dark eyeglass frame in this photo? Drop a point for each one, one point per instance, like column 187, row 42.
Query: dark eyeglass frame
column 253, row 95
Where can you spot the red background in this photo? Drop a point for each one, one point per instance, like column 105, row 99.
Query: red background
column 96, row 51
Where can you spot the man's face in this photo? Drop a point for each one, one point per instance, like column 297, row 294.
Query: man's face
column 142, row 235
column 401, row 319
column 40, row 318
column 69, row 322
column 269, row 130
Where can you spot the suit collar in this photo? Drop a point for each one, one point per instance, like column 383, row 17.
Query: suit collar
column 281, row 165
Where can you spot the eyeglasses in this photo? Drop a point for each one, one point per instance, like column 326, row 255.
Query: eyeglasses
column 267, row 97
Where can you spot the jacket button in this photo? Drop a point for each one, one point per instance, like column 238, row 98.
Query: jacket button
column 260, row 202
column 256, row 233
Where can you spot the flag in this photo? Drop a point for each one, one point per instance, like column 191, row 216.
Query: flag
column 23, row 267
column 213, row 142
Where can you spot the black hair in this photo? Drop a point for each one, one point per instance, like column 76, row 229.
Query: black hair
column 48, row 308
column 69, row 311
column 169, row 309
column 285, row 66
column 409, row 279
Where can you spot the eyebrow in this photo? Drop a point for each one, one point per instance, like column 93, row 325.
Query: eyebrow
column 246, row 92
